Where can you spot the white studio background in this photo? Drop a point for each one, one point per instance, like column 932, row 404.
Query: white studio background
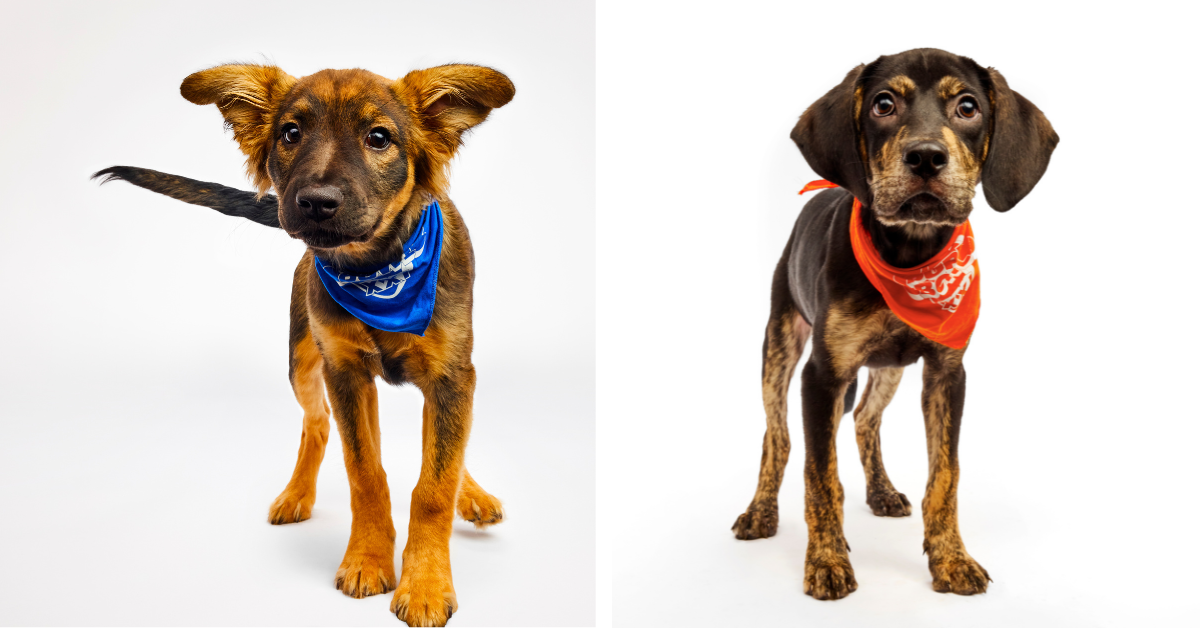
column 1078, row 441
column 147, row 418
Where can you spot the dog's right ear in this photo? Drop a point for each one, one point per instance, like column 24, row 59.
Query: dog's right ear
column 247, row 96
column 827, row 135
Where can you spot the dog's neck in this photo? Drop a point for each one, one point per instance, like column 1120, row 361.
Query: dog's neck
column 906, row 246
column 388, row 245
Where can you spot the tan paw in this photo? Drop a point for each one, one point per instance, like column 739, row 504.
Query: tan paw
column 480, row 508
column 889, row 504
column 829, row 577
column 424, row 604
column 961, row 575
column 291, row 506
column 362, row 575
column 760, row 521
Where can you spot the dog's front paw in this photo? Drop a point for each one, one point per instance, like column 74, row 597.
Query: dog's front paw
column 961, row 575
column 829, row 576
column 889, row 504
column 424, row 603
column 760, row 521
column 362, row 575
column 480, row 508
column 292, row 506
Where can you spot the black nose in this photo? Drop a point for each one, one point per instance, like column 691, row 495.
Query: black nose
column 926, row 159
column 319, row 203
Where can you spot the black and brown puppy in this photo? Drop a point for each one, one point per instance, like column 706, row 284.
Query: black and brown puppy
column 909, row 135
column 355, row 157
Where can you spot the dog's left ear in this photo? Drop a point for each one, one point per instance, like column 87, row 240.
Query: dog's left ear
column 247, row 96
column 447, row 100
column 1019, row 147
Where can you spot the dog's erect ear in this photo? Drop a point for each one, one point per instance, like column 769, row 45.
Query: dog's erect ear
column 247, row 96
column 447, row 101
column 1019, row 147
column 827, row 135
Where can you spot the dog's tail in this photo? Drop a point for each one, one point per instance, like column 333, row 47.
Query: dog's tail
column 228, row 201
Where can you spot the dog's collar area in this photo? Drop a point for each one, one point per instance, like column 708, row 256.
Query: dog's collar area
column 939, row 298
column 398, row 296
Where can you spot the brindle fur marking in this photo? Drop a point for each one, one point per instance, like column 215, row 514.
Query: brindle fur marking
column 381, row 192
column 910, row 207
column 882, row 497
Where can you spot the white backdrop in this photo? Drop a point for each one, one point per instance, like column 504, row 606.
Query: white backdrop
column 1078, row 441
column 147, row 418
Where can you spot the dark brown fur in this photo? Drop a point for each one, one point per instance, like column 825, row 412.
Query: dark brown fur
column 910, row 208
column 383, row 191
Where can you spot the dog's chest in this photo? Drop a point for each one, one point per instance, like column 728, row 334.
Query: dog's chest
column 874, row 338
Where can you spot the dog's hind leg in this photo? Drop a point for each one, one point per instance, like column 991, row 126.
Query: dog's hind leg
column 882, row 497
column 477, row 505
column 296, row 501
column 786, row 334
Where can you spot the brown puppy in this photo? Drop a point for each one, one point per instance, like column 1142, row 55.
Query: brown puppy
column 356, row 158
column 909, row 135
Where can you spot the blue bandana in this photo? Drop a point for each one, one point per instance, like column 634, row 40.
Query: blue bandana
column 399, row 296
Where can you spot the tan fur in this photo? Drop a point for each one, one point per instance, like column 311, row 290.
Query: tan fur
column 949, row 87
column 335, row 355
column 902, row 85
column 882, row 497
column 296, row 501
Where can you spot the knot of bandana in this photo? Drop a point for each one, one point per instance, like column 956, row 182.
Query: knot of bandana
column 399, row 296
column 940, row 298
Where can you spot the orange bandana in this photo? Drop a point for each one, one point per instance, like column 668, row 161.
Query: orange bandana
column 940, row 298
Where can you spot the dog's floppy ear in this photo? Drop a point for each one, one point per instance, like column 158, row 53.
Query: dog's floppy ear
column 447, row 100
column 1019, row 147
column 247, row 96
column 827, row 135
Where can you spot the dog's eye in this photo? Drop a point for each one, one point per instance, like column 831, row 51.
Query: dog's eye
column 968, row 108
column 291, row 133
column 884, row 105
column 378, row 138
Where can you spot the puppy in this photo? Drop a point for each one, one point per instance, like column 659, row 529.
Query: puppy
column 880, row 273
column 384, row 290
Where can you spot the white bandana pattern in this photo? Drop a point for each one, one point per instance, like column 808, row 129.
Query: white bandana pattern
column 945, row 281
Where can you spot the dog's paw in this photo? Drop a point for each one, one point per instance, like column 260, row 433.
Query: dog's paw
column 291, row 507
column 760, row 521
column 961, row 575
column 424, row 604
column 361, row 575
column 829, row 577
column 480, row 508
column 889, row 504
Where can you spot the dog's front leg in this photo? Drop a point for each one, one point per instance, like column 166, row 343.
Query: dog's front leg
column 827, row 571
column 369, row 565
column 425, row 596
column 945, row 385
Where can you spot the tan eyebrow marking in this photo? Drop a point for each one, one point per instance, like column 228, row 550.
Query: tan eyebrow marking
column 902, row 85
column 949, row 87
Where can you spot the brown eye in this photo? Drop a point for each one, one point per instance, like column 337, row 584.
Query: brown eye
column 884, row 105
column 378, row 139
column 291, row 133
column 968, row 108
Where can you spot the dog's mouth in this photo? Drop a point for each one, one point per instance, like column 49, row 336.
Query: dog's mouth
column 922, row 208
column 325, row 239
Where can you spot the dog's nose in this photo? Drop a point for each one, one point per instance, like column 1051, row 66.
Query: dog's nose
column 926, row 159
column 319, row 202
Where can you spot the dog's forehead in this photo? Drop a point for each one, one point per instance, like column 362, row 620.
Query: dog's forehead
column 357, row 92
column 924, row 69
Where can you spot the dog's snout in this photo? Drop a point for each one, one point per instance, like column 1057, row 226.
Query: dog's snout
column 927, row 158
column 319, row 202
